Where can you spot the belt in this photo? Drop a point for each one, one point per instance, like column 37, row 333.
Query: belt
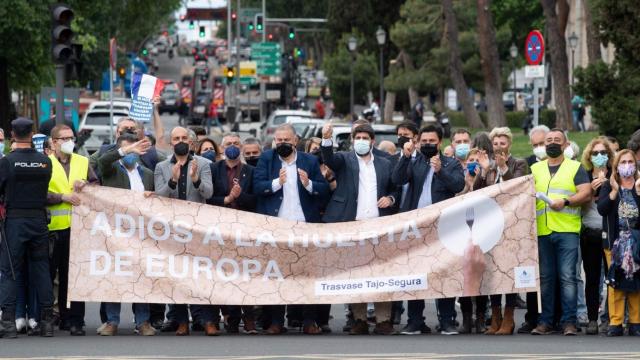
column 32, row 213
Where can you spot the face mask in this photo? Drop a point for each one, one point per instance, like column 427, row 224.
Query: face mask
column 599, row 160
column 553, row 150
column 402, row 140
column 67, row 147
column 181, row 149
column 429, row 150
column 284, row 149
column 232, row 152
column 2, row 147
column 252, row 160
column 471, row 168
column 626, row 170
column 568, row 152
column 361, row 146
column 209, row 155
column 540, row 152
column 130, row 160
column 462, row 150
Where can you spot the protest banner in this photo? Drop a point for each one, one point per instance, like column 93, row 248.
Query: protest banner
column 128, row 248
column 143, row 89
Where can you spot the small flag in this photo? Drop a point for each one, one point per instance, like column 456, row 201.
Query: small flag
column 143, row 89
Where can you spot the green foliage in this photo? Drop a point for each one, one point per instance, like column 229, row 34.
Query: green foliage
column 515, row 118
column 618, row 21
column 337, row 67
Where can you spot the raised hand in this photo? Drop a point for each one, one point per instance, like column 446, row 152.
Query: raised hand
column 175, row 172
column 327, row 130
column 283, row 176
column 408, row 148
column 304, row 177
column 139, row 147
column 436, row 164
column 194, row 171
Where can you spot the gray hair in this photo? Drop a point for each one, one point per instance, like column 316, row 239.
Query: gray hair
column 192, row 135
column 540, row 128
column 287, row 126
column 252, row 140
column 230, row 134
column 126, row 118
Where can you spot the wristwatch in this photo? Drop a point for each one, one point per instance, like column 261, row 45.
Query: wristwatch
column 566, row 202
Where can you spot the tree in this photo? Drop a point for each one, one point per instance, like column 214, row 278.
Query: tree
column 490, row 65
column 593, row 36
column 557, row 46
column 455, row 64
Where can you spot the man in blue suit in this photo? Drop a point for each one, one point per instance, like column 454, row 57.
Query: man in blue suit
column 364, row 191
column 432, row 178
column 288, row 184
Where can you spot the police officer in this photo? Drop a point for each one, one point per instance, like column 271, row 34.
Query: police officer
column 24, row 180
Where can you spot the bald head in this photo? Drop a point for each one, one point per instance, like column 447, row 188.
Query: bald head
column 180, row 134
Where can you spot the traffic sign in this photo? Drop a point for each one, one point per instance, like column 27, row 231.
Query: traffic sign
column 248, row 68
column 534, row 71
column 247, row 14
column 534, row 48
column 267, row 55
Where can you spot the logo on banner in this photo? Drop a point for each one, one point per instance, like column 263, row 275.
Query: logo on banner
column 143, row 89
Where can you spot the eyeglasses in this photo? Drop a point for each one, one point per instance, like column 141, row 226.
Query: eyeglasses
column 601, row 152
column 65, row 139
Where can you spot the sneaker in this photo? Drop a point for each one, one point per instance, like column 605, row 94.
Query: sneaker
column 21, row 325
column 604, row 326
column 32, row 323
column 615, row 330
column 569, row 330
column 109, row 330
column 542, row 330
column 449, row 329
column 634, row 330
column 250, row 327
column 592, row 328
column 100, row 328
column 425, row 329
column 583, row 320
column 525, row 328
column 411, row 329
column 146, row 329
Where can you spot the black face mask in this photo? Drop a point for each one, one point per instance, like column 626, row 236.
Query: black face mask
column 252, row 160
column 553, row 150
column 181, row 149
column 284, row 149
column 401, row 141
column 429, row 150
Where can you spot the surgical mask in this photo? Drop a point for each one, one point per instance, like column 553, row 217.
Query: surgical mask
column 209, row 155
column 284, row 149
column 252, row 160
column 540, row 152
column 471, row 168
column 130, row 160
column 626, row 170
column 401, row 141
column 67, row 147
column 2, row 147
column 599, row 160
column 554, row 150
column 568, row 152
column 429, row 150
column 181, row 149
column 232, row 152
column 462, row 150
column 361, row 146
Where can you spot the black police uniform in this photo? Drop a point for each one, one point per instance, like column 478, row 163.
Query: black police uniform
column 24, row 182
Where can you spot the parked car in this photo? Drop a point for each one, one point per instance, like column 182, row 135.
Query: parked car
column 169, row 98
column 97, row 121
column 161, row 46
column 119, row 104
column 278, row 118
column 200, row 107
column 342, row 134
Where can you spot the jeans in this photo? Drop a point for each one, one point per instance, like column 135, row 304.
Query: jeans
column 200, row 313
column 446, row 311
column 582, row 304
column 558, row 254
column 26, row 299
column 141, row 313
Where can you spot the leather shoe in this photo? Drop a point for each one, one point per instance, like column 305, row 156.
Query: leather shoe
column 360, row 327
column 250, row 327
column 182, row 330
column 384, row 328
column 76, row 331
column 311, row 329
column 275, row 329
column 169, row 326
column 211, row 329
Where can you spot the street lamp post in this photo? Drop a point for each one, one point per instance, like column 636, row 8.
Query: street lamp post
column 381, row 36
column 352, row 45
column 513, row 51
column 573, row 44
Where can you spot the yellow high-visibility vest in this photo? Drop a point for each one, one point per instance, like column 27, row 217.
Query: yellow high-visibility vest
column 60, row 184
column 560, row 186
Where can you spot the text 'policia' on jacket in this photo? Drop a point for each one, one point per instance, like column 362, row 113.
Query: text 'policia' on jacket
column 559, row 186
column 29, row 175
column 61, row 184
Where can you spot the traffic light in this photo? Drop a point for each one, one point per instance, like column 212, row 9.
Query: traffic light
column 145, row 52
column 292, row 33
column 61, row 34
column 201, row 31
column 250, row 26
column 259, row 21
column 122, row 72
column 230, row 75
column 182, row 17
column 191, row 25
column 234, row 16
column 270, row 36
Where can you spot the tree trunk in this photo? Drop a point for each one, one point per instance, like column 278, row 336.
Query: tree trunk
column 389, row 105
column 407, row 62
column 563, row 15
column 490, row 62
column 455, row 66
column 559, row 65
column 593, row 37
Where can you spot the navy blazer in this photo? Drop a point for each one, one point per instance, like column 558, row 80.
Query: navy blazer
column 268, row 202
column 446, row 183
column 221, row 187
column 343, row 205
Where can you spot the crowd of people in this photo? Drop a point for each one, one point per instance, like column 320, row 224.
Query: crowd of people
column 589, row 221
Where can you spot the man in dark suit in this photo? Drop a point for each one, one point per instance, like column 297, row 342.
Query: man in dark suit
column 288, row 184
column 233, row 184
column 443, row 177
column 364, row 191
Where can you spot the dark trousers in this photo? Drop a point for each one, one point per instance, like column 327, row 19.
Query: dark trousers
column 236, row 313
column 591, row 250
column 496, row 300
column 157, row 312
column 200, row 313
column 60, row 266
column 446, row 311
column 26, row 238
column 309, row 313
column 466, row 305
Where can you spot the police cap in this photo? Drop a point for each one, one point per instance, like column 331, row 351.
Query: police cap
column 22, row 126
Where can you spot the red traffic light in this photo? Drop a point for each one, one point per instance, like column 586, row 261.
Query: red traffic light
column 182, row 17
column 270, row 36
column 165, row 33
column 234, row 16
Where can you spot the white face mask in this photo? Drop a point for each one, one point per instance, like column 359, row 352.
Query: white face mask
column 361, row 146
column 67, row 147
column 540, row 152
column 568, row 153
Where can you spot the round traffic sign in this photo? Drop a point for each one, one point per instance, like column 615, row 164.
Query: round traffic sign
column 534, row 48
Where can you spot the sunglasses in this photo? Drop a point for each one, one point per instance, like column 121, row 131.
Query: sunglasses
column 601, row 152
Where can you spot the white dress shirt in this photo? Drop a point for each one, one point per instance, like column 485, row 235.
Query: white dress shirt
column 135, row 180
column 425, row 196
column 290, row 208
column 367, row 190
